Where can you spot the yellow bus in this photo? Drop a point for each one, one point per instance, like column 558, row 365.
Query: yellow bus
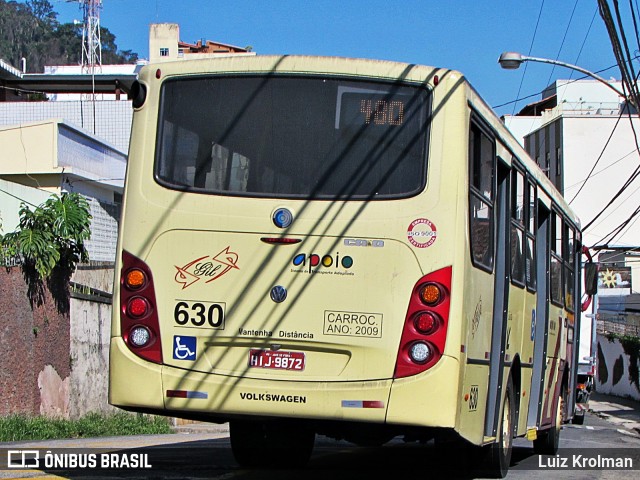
column 346, row 247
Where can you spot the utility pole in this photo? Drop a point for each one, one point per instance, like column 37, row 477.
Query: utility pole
column 91, row 45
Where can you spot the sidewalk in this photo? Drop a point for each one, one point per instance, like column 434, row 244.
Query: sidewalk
column 624, row 412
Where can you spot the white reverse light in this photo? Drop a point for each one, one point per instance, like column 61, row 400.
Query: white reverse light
column 420, row 352
column 139, row 336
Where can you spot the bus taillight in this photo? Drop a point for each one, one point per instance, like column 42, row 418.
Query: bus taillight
column 426, row 323
column 425, row 327
column 138, row 316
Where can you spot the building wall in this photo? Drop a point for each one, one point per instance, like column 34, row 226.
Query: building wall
column 163, row 36
column 109, row 120
column 585, row 138
column 35, row 366
column 545, row 147
column 11, row 196
column 29, row 148
column 617, row 368
column 90, row 331
column 55, row 364
column 89, row 158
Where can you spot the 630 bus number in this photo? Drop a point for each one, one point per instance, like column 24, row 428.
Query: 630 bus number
column 199, row 314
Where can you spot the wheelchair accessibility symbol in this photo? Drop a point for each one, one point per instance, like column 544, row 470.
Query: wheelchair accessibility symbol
column 184, row 348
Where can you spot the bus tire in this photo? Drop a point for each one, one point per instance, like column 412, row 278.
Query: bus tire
column 498, row 455
column 270, row 444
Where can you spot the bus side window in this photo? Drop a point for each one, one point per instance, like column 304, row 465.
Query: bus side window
column 531, row 219
column 568, row 252
column 482, row 160
column 557, row 285
column 517, row 227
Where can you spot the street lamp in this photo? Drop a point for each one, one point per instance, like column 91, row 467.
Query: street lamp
column 513, row 60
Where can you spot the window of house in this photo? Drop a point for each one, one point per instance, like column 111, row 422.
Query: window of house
column 164, row 52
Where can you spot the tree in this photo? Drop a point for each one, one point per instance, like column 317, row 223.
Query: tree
column 50, row 239
column 31, row 31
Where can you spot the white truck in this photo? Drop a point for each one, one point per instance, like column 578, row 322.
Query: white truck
column 586, row 366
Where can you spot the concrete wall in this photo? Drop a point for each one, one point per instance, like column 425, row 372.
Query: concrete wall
column 90, row 330
column 29, row 148
column 617, row 368
column 34, row 365
column 55, row 364
column 11, row 196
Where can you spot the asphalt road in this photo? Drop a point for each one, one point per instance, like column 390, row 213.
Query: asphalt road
column 208, row 455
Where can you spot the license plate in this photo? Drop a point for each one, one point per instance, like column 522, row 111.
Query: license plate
column 276, row 359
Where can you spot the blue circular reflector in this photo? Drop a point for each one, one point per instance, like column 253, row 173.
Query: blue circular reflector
column 282, row 218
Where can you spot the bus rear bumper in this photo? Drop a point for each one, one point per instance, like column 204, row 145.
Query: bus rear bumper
column 424, row 401
column 239, row 396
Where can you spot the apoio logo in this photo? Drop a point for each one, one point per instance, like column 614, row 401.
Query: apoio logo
column 314, row 260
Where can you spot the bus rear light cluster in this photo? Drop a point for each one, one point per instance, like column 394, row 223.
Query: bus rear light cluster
column 425, row 328
column 138, row 314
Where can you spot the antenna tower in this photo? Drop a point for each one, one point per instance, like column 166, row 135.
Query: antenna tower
column 91, row 45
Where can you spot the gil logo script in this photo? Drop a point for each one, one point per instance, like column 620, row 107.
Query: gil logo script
column 208, row 267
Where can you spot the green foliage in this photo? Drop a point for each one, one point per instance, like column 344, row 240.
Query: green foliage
column 52, row 235
column 16, row 428
column 31, row 30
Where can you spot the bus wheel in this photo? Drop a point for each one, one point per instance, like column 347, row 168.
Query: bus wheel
column 548, row 442
column 498, row 455
column 270, row 444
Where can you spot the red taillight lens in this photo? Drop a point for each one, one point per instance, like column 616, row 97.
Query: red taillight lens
column 139, row 322
column 138, row 307
column 426, row 323
column 425, row 330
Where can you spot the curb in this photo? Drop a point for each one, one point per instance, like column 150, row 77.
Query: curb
column 202, row 428
column 627, row 424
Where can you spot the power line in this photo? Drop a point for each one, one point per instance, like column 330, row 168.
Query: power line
column 568, row 83
column 535, row 31
column 599, row 156
column 563, row 40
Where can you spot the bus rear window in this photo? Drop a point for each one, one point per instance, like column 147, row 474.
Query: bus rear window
column 292, row 137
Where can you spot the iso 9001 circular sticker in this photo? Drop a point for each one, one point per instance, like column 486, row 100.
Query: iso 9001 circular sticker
column 421, row 233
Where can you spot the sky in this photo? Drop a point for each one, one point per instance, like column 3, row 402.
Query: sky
column 465, row 35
